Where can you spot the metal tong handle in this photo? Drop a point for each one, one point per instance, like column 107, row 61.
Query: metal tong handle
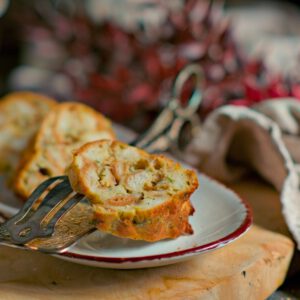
column 164, row 132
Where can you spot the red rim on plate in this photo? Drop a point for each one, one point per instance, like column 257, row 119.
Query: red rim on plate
column 209, row 246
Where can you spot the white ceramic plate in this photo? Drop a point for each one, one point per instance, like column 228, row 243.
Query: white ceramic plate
column 220, row 217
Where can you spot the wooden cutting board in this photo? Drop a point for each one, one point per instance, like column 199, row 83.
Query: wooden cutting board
column 250, row 268
column 265, row 202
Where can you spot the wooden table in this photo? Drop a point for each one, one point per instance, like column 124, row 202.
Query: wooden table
column 250, row 268
column 267, row 213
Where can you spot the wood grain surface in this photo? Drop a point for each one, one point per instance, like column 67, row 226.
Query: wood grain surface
column 265, row 202
column 249, row 268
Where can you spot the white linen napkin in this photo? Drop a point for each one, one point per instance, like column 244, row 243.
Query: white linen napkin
column 265, row 138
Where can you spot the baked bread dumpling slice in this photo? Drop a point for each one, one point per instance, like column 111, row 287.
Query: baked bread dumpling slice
column 21, row 114
column 66, row 127
column 134, row 194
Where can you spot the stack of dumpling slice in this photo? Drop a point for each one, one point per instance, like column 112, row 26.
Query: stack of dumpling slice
column 133, row 194
column 38, row 135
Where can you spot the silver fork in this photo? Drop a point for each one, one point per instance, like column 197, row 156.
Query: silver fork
column 55, row 217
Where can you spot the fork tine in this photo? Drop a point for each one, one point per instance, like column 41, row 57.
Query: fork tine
column 53, row 198
column 69, row 203
column 37, row 229
column 32, row 200
column 32, row 226
column 39, row 191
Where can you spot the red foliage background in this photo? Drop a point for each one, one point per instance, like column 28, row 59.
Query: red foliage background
column 128, row 75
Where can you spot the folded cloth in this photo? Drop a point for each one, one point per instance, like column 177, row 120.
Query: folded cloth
column 233, row 141
column 286, row 113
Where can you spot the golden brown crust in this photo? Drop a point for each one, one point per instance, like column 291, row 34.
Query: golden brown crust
column 21, row 114
column 126, row 214
column 66, row 127
column 168, row 220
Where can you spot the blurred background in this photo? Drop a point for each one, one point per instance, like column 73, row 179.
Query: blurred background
column 120, row 56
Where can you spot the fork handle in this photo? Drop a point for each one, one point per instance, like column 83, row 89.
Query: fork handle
column 165, row 131
column 154, row 139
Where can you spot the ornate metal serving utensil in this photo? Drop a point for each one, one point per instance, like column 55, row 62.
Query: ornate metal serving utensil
column 55, row 217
